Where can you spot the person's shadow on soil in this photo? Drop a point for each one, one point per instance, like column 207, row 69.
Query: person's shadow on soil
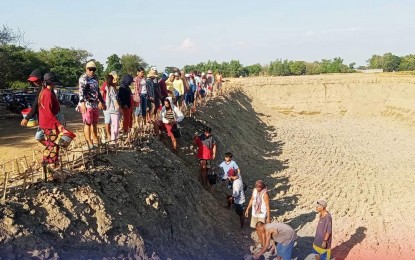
column 342, row 251
column 299, row 222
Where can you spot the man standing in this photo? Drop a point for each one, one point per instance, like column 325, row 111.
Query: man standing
column 238, row 196
column 206, row 152
column 281, row 233
column 90, row 100
column 322, row 240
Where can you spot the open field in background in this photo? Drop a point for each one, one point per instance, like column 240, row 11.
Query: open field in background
column 348, row 138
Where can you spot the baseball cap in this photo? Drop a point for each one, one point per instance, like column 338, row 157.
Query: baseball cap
column 35, row 75
column 231, row 172
column 321, row 203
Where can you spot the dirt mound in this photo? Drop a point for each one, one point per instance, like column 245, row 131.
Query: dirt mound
column 143, row 204
column 348, row 138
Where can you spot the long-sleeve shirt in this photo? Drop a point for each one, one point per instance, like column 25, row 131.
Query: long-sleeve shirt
column 89, row 91
column 179, row 86
column 124, row 95
column 163, row 88
column 111, row 100
column 48, row 109
column 150, row 87
column 138, row 87
column 169, row 86
column 178, row 115
column 34, row 109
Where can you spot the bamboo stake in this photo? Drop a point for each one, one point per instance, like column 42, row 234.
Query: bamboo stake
column 6, row 179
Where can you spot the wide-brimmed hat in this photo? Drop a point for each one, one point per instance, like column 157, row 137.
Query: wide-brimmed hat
column 35, row 75
column 52, row 79
column 209, row 72
column 152, row 74
column 114, row 75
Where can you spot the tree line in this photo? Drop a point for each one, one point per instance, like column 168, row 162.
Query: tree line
column 17, row 61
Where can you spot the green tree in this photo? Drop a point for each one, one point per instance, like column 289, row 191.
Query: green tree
column 387, row 62
column 16, row 63
column 113, row 64
column 391, row 62
column 130, row 63
column 68, row 64
column 254, row 70
column 407, row 63
column 297, row 68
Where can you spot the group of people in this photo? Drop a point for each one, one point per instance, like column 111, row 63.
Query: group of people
column 161, row 103
column 272, row 235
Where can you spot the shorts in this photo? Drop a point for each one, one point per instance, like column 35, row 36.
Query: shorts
column 254, row 220
column 239, row 208
column 40, row 135
column 285, row 252
column 107, row 117
column 325, row 254
column 91, row 116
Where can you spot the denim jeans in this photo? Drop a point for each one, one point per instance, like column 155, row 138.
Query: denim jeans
column 143, row 104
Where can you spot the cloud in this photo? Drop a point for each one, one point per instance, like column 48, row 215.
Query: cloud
column 187, row 45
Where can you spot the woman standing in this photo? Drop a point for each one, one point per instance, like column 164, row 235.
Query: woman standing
column 49, row 116
column 169, row 85
column 126, row 104
column 140, row 95
column 113, row 108
column 178, row 86
column 260, row 206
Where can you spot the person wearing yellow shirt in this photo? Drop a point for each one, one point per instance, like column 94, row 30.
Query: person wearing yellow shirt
column 169, row 85
column 178, row 89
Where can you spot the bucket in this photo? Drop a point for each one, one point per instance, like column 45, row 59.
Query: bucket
column 33, row 121
column 65, row 138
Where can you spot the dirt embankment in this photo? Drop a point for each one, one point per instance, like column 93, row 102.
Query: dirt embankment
column 347, row 138
column 144, row 204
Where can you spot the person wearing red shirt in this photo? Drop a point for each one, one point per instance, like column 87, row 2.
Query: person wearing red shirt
column 206, row 152
column 49, row 116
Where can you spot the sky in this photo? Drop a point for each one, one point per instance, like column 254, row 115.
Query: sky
column 180, row 32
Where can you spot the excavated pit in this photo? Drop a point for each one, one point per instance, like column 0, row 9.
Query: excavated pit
column 347, row 138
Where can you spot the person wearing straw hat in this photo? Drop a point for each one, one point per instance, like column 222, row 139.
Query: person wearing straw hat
column 90, row 101
column 49, row 121
column 153, row 95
